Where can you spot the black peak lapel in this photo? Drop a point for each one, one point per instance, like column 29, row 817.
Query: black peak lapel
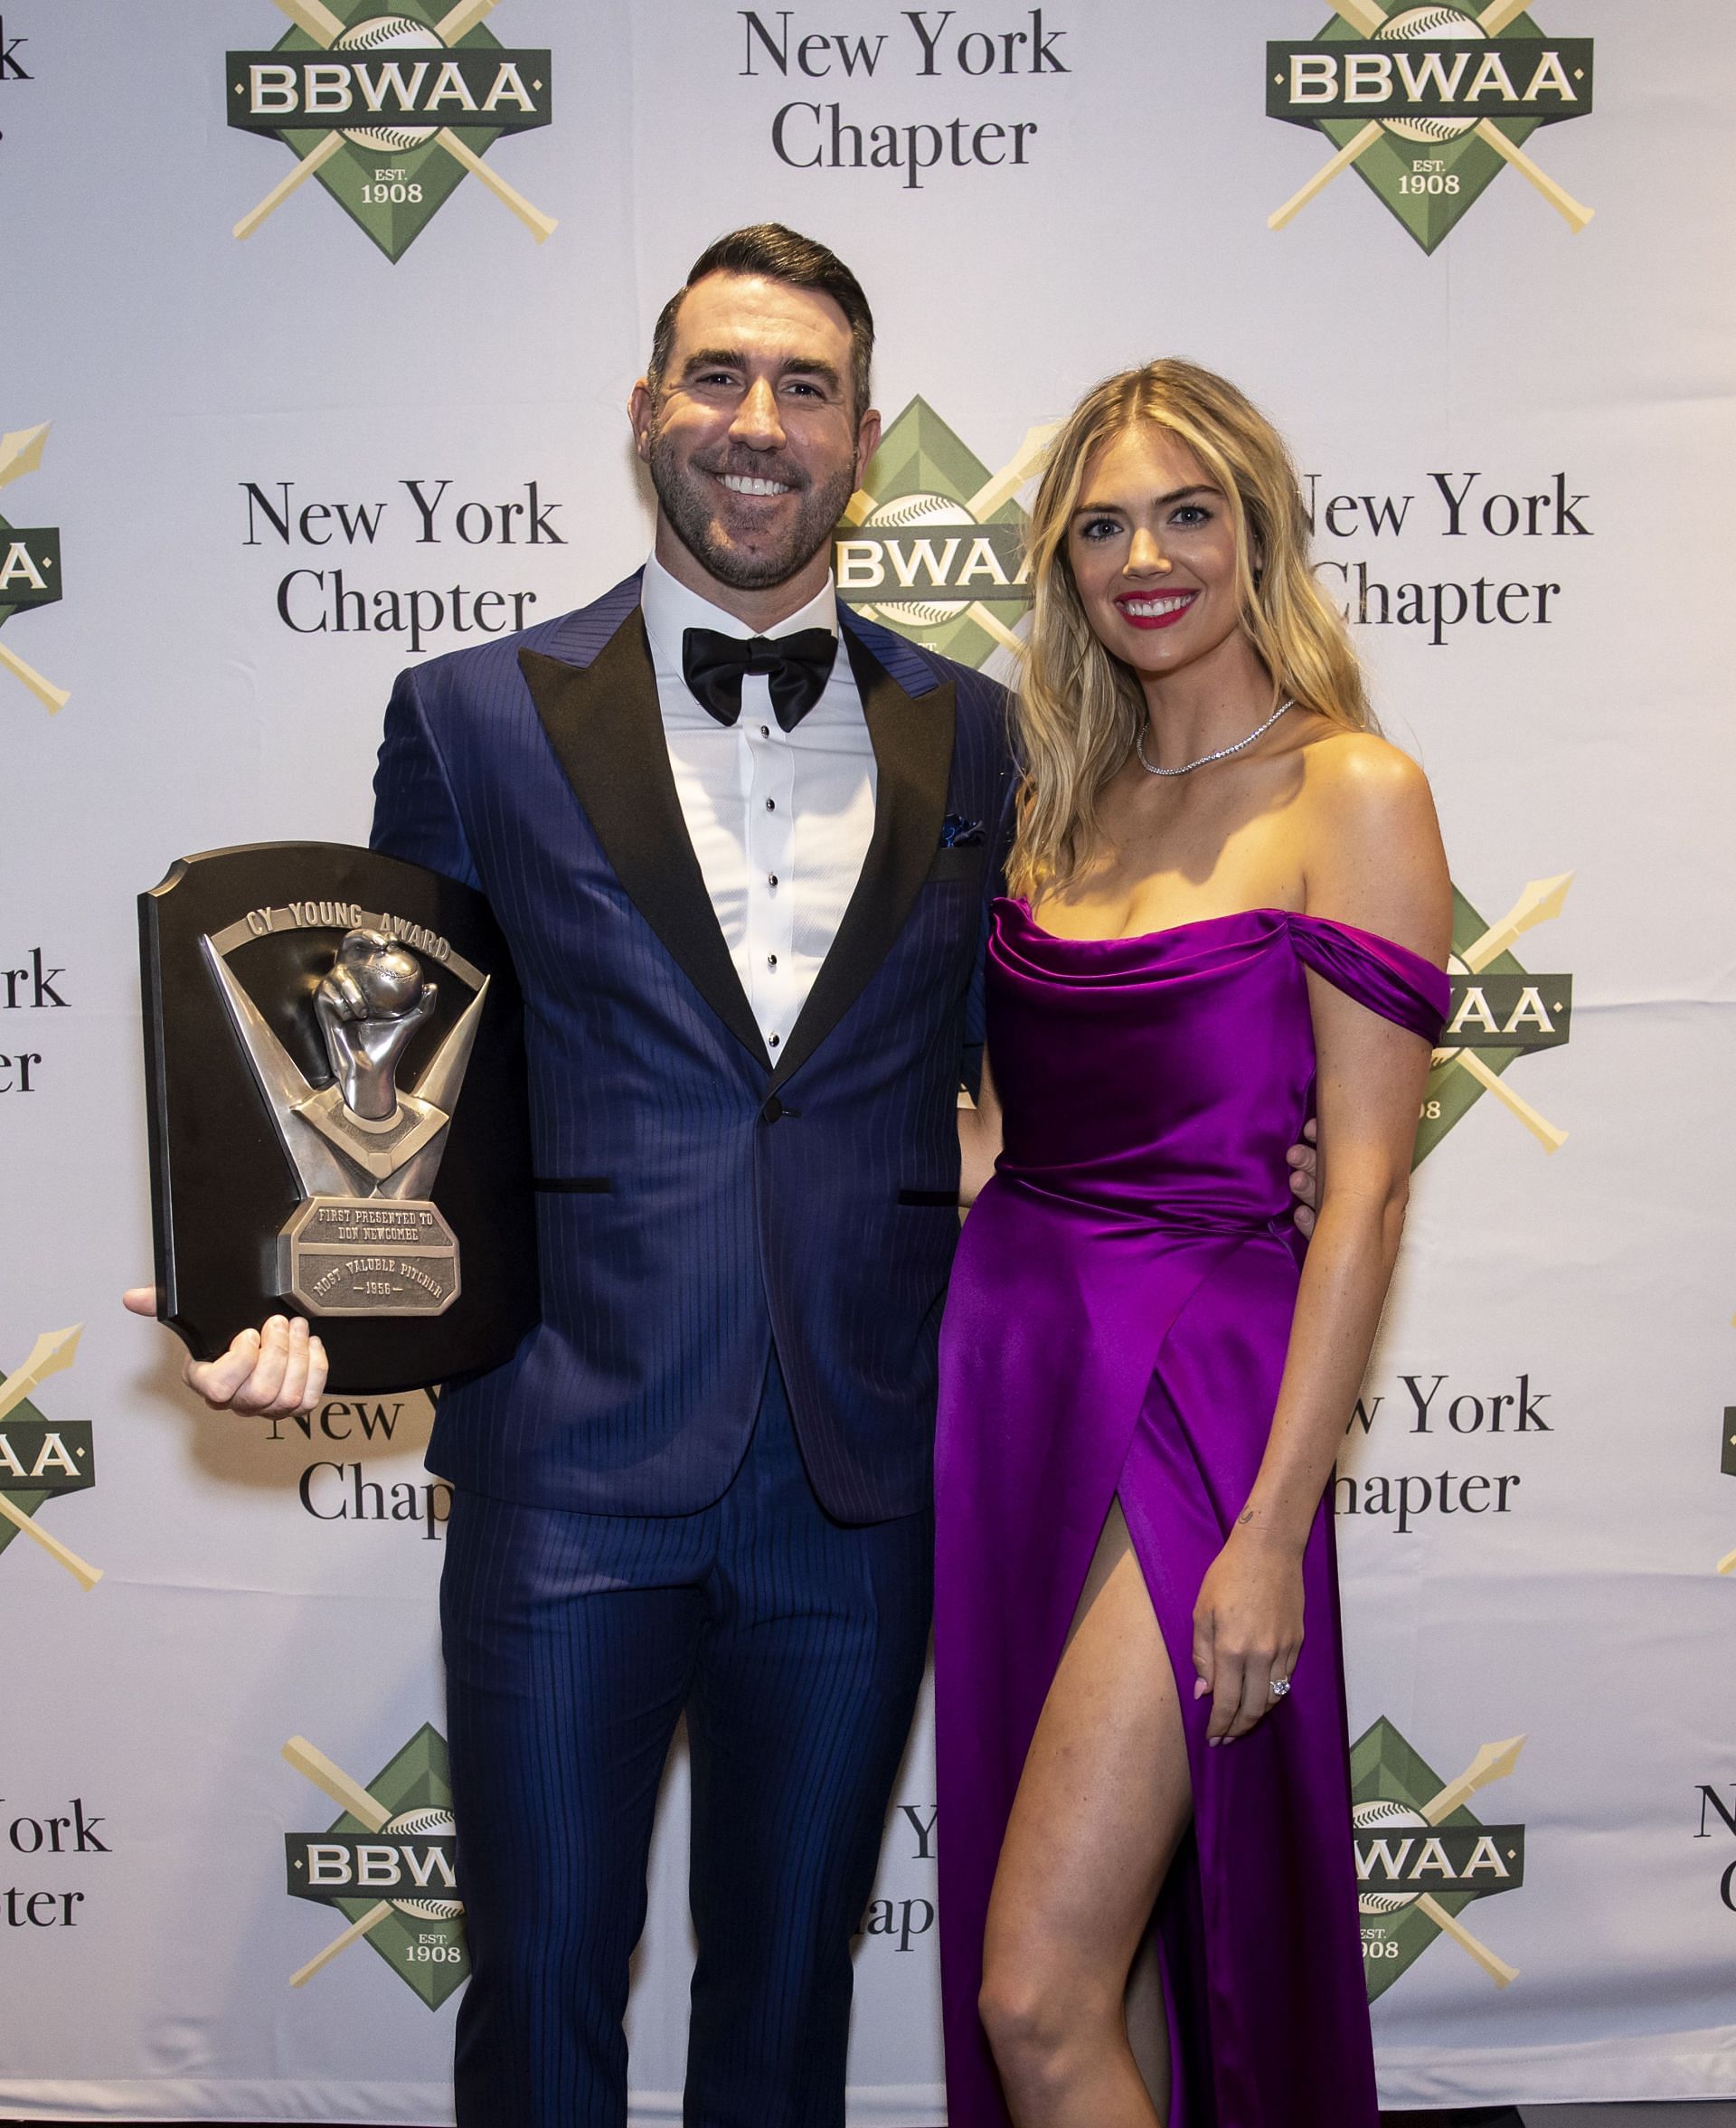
column 606, row 728
column 912, row 743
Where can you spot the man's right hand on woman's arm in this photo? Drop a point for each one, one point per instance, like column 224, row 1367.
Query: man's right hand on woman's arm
column 276, row 1370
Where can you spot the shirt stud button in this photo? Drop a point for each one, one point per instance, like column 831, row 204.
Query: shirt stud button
column 765, row 731
column 771, row 961
column 771, row 805
column 771, row 879
column 776, row 1039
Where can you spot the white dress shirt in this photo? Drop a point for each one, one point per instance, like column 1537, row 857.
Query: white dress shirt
column 780, row 822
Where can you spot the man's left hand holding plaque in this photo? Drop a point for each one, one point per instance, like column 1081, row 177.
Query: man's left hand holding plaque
column 334, row 1063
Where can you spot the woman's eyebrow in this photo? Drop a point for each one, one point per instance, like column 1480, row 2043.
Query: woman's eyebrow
column 1175, row 495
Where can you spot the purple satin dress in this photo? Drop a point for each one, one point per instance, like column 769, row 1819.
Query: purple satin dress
column 1116, row 1324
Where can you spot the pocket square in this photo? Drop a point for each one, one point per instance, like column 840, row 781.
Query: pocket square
column 957, row 833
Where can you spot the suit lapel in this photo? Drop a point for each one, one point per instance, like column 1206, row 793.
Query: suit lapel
column 912, row 741
column 604, row 724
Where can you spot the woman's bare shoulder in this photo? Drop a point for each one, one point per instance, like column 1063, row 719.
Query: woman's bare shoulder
column 1374, row 854
column 1360, row 772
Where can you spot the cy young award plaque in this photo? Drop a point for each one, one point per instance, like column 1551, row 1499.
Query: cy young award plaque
column 335, row 1066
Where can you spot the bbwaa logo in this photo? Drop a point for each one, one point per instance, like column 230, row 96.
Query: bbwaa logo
column 390, row 112
column 41, row 1457
column 930, row 544
column 1428, row 104
column 1421, row 1857
column 386, row 1863
column 30, row 562
column 1499, row 1013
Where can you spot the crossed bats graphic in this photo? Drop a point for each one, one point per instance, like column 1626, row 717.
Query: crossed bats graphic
column 21, row 451
column 332, row 1780
column 52, row 1351
column 1491, row 1764
column 318, row 22
column 1368, row 19
column 1541, row 899
column 1000, row 487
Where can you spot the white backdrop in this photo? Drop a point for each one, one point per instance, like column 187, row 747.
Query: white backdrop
column 1543, row 1568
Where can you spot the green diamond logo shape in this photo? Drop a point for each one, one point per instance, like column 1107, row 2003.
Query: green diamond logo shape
column 1427, row 104
column 1498, row 1014
column 1421, row 1857
column 932, row 544
column 392, row 113
column 390, row 1873
column 41, row 1457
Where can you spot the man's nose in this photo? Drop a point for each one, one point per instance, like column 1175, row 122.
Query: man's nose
column 1145, row 556
column 756, row 422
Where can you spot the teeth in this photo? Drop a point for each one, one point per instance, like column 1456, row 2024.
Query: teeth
column 740, row 484
column 1150, row 608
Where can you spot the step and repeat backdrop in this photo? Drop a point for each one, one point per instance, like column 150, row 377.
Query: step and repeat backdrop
column 319, row 323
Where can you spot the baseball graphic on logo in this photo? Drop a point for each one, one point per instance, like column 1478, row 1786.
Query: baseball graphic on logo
column 907, row 512
column 424, row 1824
column 1430, row 25
column 391, row 33
column 1381, row 1816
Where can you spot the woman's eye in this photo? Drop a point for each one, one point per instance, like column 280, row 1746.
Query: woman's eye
column 1192, row 514
column 1099, row 528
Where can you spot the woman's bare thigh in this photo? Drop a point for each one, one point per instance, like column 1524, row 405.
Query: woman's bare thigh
column 1105, row 1797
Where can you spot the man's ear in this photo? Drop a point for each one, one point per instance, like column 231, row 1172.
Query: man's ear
column 867, row 442
column 640, row 407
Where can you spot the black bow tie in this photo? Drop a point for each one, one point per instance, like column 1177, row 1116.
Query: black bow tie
column 796, row 668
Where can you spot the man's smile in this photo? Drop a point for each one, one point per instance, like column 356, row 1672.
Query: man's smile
column 751, row 484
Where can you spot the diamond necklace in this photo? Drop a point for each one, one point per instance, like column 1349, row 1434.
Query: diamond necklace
column 1222, row 754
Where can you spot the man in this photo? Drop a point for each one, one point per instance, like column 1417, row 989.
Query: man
column 741, row 841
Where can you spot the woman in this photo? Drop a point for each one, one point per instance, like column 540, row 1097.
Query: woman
column 1230, row 911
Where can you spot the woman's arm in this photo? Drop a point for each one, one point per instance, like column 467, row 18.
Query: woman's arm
column 979, row 1138
column 1380, row 865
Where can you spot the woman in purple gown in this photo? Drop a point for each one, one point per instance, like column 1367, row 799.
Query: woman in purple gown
column 1229, row 912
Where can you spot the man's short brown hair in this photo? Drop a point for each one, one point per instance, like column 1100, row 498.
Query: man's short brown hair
column 775, row 253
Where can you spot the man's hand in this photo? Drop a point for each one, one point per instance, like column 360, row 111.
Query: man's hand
column 1305, row 1178
column 277, row 1370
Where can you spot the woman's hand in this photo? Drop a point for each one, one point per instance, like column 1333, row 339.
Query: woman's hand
column 1247, row 1630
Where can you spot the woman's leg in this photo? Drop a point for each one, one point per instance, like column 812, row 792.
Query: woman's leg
column 1102, row 1805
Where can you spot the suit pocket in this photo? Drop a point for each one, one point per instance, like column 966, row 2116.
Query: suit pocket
column 949, row 1197
column 963, row 861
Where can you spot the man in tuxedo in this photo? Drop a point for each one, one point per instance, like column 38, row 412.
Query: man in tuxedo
column 741, row 841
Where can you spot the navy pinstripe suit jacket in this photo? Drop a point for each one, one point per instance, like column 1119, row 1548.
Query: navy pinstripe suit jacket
column 696, row 1199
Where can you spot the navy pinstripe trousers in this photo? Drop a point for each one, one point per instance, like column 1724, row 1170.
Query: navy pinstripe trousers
column 795, row 1644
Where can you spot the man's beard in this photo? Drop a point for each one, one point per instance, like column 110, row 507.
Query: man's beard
column 681, row 493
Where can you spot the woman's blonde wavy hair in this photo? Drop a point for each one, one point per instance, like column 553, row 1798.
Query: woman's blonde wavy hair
column 1079, row 707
